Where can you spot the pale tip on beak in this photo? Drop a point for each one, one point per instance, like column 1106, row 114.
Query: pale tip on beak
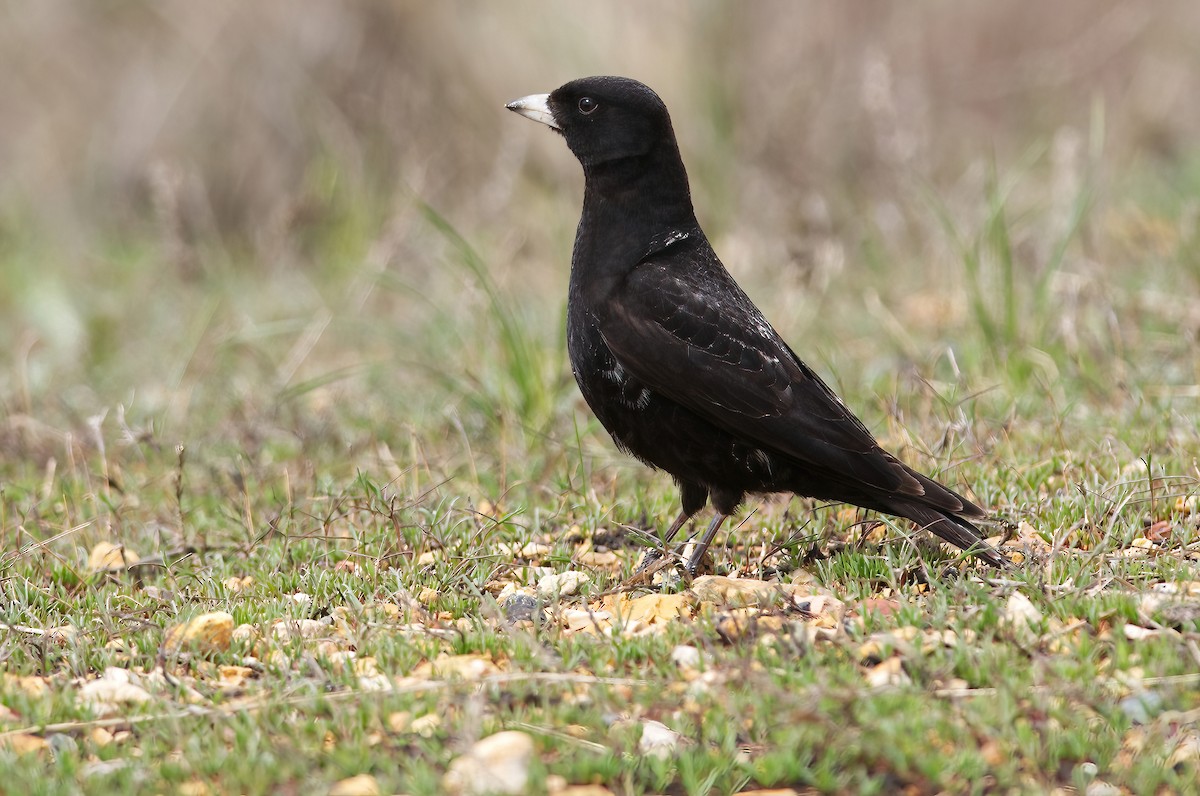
column 536, row 107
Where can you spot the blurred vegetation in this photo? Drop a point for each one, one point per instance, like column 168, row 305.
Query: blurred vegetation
column 189, row 188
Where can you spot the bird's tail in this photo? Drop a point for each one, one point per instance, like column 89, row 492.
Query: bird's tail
column 954, row 530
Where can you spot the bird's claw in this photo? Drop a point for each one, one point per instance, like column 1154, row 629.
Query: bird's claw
column 652, row 557
column 653, row 561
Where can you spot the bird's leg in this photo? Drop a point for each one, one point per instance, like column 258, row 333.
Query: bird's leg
column 692, row 496
column 683, row 517
column 693, row 562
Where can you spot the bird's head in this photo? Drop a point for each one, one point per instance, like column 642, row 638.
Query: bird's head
column 602, row 118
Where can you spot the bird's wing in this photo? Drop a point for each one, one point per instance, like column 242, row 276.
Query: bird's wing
column 689, row 333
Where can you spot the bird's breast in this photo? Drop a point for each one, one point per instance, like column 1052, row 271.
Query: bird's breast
column 654, row 428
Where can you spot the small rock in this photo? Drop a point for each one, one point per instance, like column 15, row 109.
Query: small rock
column 30, row 684
column 109, row 557
column 871, row 651
column 426, row 726
column 1102, row 788
column 600, row 559
column 348, row 565
column 658, row 740
column 1187, row 751
column 686, row 657
column 824, row 608
column 1181, row 614
column 288, row 629
column 375, row 682
column 360, row 785
column 506, row 589
column 1026, row 532
column 1138, row 633
column 889, row 673
column 116, row 674
column 1142, row 706
column 245, row 634
column 100, row 736
column 1019, row 612
column 562, row 584
column 880, row 606
column 22, row 743
column 768, row 623
column 232, row 677
column 205, row 633
column 535, row 550
column 62, row 635
column 498, row 764
column 235, row 584
column 738, row 624
column 577, row 620
column 469, row 666
column 61, row 744
column 103, row 768
column 656, row 609
column 112, row 691
column 519, row 607
column 738, row 592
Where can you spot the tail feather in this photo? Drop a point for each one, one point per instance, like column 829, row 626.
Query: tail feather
column 954, row 530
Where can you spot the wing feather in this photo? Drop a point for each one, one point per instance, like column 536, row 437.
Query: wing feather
column 702, row 343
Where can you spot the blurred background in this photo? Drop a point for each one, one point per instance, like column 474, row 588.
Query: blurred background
column 273, row 225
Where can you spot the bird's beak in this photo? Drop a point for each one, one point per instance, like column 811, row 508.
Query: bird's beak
column 536, row 107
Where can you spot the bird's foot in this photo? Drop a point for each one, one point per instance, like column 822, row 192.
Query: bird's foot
column 691, row 564
column 654, row 562
column 652, row 557
column 690, row 554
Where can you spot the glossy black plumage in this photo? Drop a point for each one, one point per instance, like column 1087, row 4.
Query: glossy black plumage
column 678, row 364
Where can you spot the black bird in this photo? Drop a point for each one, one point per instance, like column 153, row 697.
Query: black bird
column 681, row 368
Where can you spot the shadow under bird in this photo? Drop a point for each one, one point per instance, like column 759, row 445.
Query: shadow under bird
column 678, row 363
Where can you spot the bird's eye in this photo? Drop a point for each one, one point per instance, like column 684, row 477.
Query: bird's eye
column 587, row 105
